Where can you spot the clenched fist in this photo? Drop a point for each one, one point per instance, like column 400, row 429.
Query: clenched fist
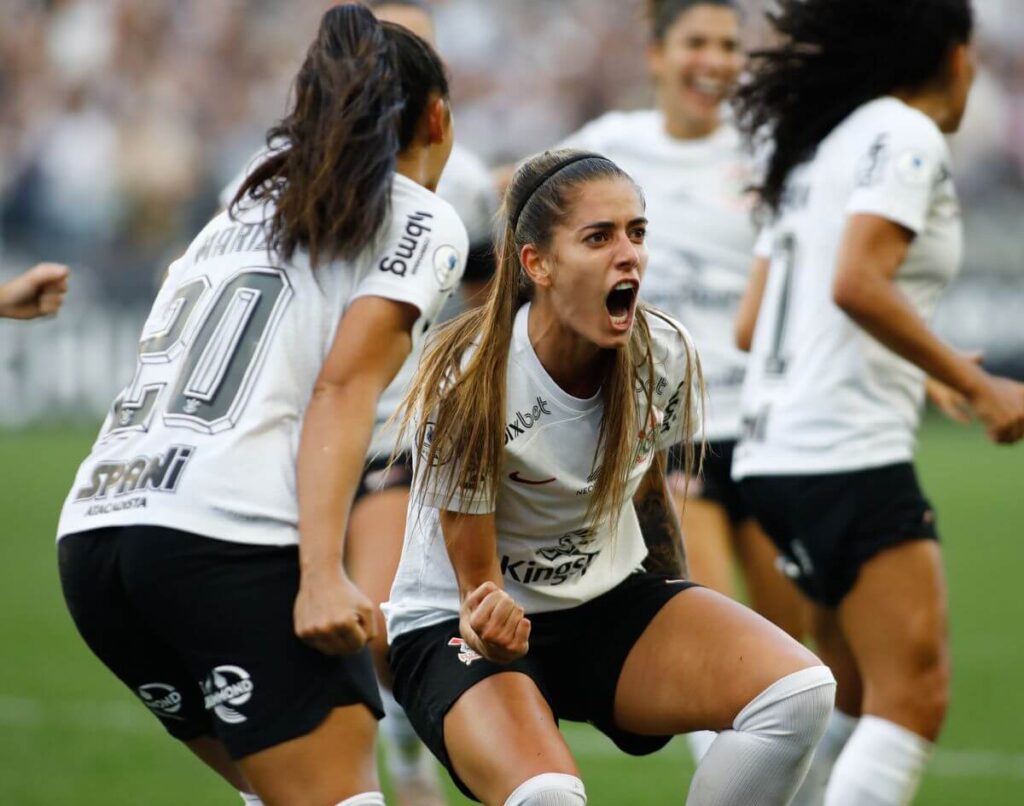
column 38, row 292
column 494, row 625
column 333, row 615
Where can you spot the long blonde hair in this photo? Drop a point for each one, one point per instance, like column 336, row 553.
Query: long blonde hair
column 456, row 404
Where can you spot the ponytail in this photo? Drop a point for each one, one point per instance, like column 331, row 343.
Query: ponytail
column 358, row 100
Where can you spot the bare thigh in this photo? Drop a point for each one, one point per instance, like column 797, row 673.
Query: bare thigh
column 708, row 537
column 376, row 530
column 895, row 621
column 501, row 733
column 832, row 647
column 335, row 761
column 771, row 594
column 214, row 755
column 699, row 663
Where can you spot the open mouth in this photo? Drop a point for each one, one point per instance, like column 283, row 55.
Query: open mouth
column 710, row 89
column 620, row 302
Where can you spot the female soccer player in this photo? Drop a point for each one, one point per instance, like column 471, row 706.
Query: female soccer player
column 690, row 164
column 865, row 233
column 200, row 547
column 518, row 599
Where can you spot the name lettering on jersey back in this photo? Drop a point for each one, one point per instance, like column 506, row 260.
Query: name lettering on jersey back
column 568, row 559
column 232, row 240
column 524, row 421
column 141, row 474
column 408, row 253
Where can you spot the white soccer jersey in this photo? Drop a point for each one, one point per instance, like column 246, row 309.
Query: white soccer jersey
column 550, row 557
column 206, row 435
column 466, row 185
column 700, row 238
column 821, row 394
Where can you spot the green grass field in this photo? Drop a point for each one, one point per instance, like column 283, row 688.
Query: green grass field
column 71, row 734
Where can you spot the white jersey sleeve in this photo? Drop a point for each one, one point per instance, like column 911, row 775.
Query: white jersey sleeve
column 896, row 176
column 674, row 374
column 420, row 259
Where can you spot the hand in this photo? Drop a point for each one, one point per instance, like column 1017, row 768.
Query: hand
column 37, row 292
column 999, row 404
column 493, row 624
column 332, row 615
column 948, row 400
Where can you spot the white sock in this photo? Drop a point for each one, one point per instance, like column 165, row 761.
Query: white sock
column 763, row 759
column 549, row 789
column 251, row 800
column 364, row 799
column 812, row 791
column 881, row 765
column 404, row 751
column 700, row 742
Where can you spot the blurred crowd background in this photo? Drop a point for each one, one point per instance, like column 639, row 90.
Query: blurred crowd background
column 120, row 120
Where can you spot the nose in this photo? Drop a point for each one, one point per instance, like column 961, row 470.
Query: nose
column 627, row 253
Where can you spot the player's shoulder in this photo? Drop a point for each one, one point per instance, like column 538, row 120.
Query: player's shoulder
column 617, row 127
column 416, row 206
column 892, row 119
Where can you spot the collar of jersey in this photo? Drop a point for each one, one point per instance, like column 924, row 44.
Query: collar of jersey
column 529, row 360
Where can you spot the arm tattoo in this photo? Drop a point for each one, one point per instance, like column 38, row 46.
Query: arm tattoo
column 660, row 527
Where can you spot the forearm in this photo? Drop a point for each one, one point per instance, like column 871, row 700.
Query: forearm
column 472, row 547
column 659, row 525
column 336, row 435
column 881, row 309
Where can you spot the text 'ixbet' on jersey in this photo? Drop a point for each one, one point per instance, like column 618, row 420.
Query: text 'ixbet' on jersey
column 551, row 558
column 821, row 394
column 205, row 436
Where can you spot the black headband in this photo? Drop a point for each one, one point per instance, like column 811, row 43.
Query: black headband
column 544, row 177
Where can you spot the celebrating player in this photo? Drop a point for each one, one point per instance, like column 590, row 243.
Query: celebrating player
column 865, row 233
column 689, row 162
column 39, row 291
column 200, row 547
column 539, row 478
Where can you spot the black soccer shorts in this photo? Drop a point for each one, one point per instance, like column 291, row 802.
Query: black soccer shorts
column 827, row 525
column 575, row 658
column 201, row 631
column 715, row 483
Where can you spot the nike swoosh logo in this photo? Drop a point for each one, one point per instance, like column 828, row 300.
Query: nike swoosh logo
column 516, row 478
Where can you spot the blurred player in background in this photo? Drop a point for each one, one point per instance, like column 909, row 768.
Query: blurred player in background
column 864, row 235
column 39, row 291
column 201, row 545
column 689, row 163
column 541, row 425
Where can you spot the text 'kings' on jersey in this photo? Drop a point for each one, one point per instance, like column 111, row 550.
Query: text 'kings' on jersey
column 551, row 557
column 821, row 394
column 700, row 238
column 205, row 437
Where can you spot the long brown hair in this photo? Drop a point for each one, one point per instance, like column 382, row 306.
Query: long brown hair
column 456, row 404
column 358, row 100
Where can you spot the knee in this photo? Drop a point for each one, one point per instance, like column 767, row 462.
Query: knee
column 549, row 789
column 919, row 700
column 793, row 711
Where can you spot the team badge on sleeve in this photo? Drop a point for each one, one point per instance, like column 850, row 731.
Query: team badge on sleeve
column 466, row 655
column 913, row 167
column 446, row 264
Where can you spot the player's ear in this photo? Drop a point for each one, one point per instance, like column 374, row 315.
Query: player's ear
column 438, row 115
column 535, row 266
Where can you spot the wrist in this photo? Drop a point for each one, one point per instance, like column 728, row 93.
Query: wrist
column 313, row 569
column 975, row 382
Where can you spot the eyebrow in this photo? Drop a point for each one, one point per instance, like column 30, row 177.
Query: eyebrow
column 611, row 224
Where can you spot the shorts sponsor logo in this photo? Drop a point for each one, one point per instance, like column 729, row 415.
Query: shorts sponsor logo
column 224, row 687
column 446, row 261
column 466, row 655
column 534, row 482
column 568, row 559
column 408, row 253
column 525, row 420
column 162, row 699
column 141, row 474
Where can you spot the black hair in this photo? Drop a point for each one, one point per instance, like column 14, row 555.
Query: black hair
column 358, row 101
column 835, row 56
column 417, row 4
column 664, row 13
